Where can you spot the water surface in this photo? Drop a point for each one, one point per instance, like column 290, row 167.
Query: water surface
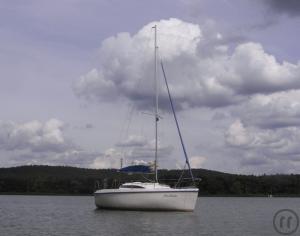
column 73, row 215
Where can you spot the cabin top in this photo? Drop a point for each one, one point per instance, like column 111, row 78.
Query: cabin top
column 143, row 185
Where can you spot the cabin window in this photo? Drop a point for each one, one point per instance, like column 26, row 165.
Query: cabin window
column 131, row 186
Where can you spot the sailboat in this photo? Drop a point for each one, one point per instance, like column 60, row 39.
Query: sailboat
column 151, row 195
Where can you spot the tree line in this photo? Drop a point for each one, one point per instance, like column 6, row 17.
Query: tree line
column 72, row 180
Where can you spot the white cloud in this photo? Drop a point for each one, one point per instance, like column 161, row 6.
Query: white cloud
column 237, row 135
column 252, row 71
column 126, row 67
column 136, row 149
column 272, row 111
column 133, row 140
column 272, row 141
column 45, row 143
column 197, row 161
column 36, row 143
column 205, row 70
column 110, row 159
column 34, row 135
column 134, row 155
column 274, row 149
column 201, row 69
column 139, row 148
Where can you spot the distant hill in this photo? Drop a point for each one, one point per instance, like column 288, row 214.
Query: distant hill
column 72, row 180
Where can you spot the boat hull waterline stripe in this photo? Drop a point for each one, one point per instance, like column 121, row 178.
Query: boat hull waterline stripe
column 190, row 191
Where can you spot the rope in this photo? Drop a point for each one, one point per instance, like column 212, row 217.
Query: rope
column 177, row 125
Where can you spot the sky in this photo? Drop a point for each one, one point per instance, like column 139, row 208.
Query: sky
column 77, row 83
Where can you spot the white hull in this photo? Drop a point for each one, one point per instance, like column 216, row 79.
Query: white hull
column 147, row 199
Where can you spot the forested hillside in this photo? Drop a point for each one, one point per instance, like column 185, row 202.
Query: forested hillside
column 71, row 180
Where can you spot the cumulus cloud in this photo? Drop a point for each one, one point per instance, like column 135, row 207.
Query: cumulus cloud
column 250, row 137
column 113, row 157
column 237, row 135
column 200, row 74
column 255, row 71
column 36, row 143
column 110, row 159
column 197, row 161
column 136, row 149
column 272, row 111
column 126, row 66
column 133, row 140
column 248, row 85
column 264, row 147
column 34, row 136
column 265, row 134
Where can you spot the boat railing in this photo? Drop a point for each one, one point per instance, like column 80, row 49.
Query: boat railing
column 183, row 183
column 107, row 183
column 113, row 183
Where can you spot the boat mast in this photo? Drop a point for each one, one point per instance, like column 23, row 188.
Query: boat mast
column 156, row 99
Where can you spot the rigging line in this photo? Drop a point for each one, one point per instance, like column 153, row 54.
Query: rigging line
column 129, row 118
column 180, row 178
column 126, row 129
column 133, row 111
column 177, row 125
column 161, row 131
column 124, row 124
column 150, row 180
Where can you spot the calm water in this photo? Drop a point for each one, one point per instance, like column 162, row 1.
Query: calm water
column 65, row 215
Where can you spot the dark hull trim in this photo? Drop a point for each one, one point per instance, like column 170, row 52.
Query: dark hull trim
column 148, row 192
column 139, row 209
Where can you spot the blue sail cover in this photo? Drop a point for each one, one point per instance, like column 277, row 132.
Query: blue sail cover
column 136, row 169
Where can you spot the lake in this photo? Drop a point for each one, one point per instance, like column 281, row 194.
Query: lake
column 77, row 215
